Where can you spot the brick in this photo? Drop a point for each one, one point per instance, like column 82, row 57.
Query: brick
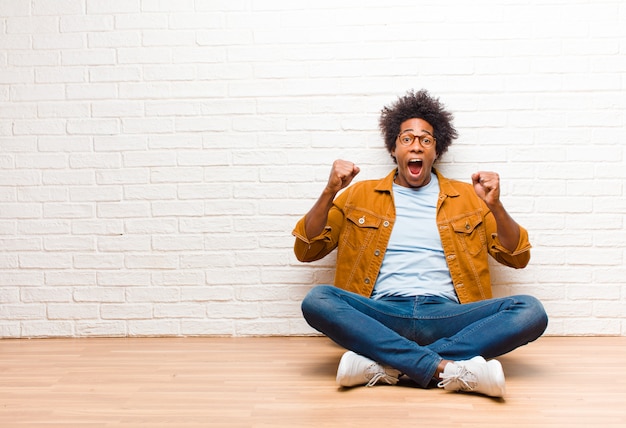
column 99, row 295
column 14, row 76
column 153, row 328
column 76, row 311
column 261, row 327
column 206, row 328
column 124, row 176
column 113, row 7
column 83, row 23
column 21, row 278
column 143, row 20
column 203, row 191
column 10, row 330
column 143, row 55
column 152, row 294
column 151, row 261
column 58, row 41
column 179, row 310
column 60, row 75
column 170, row 38
column 167, row 5
column 123, row 279
column 144, row 126
column 47, row 328
column 91, row 91
column 64, row 144
column 44, row 227
column 90, row 160
column 119, row 143
column 151, row 226
column 53, row 7
column 22, row 311
column 99, row 261
column 115, row 74
column 45, row 261
column 68, row 177
column 91, row 57
column 125, row 311
column 195, row 20
column 123, row 243
column 198, row 261
column 93, row 127
column 117, row 39
column 117, row 109
column 175, row 142
column 207, row 294
column 150, row 192
column 206, row 225
column 123, row 210
column 33, row 59
column 140, row 158
column 15, row 8
column 97, row 227
column 74, row 278
column 96, row 328
column 68, row 243
column 39, row 127
column 20, row 211
column 177, row 175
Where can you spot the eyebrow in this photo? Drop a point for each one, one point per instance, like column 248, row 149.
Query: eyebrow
column 412, row 130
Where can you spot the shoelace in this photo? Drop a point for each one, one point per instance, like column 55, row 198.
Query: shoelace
column 465, row 379
column 378, row 375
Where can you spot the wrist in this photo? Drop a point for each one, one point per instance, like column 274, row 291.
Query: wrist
column 496, row 206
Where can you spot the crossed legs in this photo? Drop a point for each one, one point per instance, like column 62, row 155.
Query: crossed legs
column 419, row 335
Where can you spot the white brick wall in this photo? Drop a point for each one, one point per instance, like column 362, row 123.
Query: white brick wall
column 155, row 155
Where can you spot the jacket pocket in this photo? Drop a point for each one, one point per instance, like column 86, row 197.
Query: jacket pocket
column 360, row 227
column 471, row 233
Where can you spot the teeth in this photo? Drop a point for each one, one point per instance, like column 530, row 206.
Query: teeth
column 415, row 161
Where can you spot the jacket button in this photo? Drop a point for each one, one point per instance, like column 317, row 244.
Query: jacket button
column 362, row 220
column 377, row 253
column 367, row 280
column 386, row 223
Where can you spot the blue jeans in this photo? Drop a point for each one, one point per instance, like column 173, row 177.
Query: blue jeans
column 414, row 334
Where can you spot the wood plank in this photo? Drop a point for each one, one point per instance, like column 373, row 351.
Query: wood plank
column 289, row 382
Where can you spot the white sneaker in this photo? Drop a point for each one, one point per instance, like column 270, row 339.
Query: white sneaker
column 355, row 369
column 475, row 375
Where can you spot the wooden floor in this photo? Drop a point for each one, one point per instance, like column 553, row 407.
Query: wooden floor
column 290, row 382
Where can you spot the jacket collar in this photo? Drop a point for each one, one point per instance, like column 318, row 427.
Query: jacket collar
column 446, row 186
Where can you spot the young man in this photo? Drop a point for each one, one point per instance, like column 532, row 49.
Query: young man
column 412, row 290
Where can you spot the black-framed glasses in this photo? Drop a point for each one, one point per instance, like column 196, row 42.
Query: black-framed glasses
column 407, row 138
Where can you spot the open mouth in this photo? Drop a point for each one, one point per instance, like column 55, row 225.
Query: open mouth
column 415, row 166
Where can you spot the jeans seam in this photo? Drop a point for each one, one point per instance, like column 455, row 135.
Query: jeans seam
column 475, row 326
column 473, row 309
column 378, row 309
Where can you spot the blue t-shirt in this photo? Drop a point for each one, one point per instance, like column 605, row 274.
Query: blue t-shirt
column 414, row 263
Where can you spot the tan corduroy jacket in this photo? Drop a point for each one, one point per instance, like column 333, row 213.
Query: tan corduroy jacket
column 359, row 226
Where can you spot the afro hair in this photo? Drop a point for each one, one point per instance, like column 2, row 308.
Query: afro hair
column 417, row 105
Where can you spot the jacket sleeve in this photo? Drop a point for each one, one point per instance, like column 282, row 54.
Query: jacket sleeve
column 518, row 258
column 310, row 249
